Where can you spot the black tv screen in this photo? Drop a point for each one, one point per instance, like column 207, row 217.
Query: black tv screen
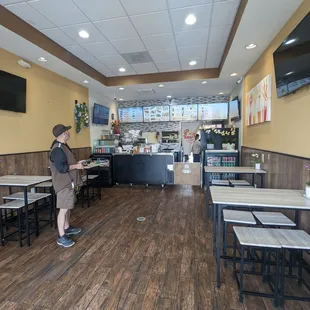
column 234, row 109
column 100, row 114
column 292, row 60
column 12, row 92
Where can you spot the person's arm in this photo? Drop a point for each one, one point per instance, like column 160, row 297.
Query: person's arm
column 59, row 159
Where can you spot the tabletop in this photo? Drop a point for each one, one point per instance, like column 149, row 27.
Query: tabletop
column 245, row 170
column 22, row 180
column 260, row 197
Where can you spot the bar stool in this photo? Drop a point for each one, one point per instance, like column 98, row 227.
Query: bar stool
column 292, row 240
column 257, row 238
column 239, row 183
column 275, row 219
column 235, row 217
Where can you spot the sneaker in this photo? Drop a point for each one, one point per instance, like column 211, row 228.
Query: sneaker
column 65, row 241
column 72, row 230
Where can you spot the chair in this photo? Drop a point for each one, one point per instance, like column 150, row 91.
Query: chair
column 235, row 217
column 258, row 239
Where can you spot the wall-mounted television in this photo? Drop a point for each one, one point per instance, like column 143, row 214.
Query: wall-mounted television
column 100, row 114
column 12, row 92
column 292, row 60
column 234, row 110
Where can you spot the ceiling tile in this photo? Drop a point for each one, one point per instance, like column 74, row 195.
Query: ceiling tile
column 219, row 34
column 99, row 66
column 145, row 68
column 168, row 66
column 58, row 36
column 144, row 6
column 153, row 23
column 213, row 62
column 193, row 51
column 116, row 29
column 30, row 15
column 101, row 9
column 185, row 63
column 129, row 45
column 94, row 34
column 59, row 12
column 164, row 55
column 78, row 51
column 214, row 55
column 173, row 4
column 163, row 41
column 224, row 13
column 192, row 37
column 113, row 60
column 100, row 49
column 202, row 13
column 129, row 70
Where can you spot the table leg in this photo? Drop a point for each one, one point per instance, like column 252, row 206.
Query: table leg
column 27, row 216
column 218, row 250
column 262, row 181
column 207, row 194
column 99, row 186
column 297, row 217
column 214, row 208
column 87, row 189
column 253, row 179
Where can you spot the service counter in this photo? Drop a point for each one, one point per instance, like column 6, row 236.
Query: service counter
column 144, row 168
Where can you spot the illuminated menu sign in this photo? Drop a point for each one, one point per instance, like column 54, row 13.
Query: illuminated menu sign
column 156, row 114
column 213, row 111
column 184, row 112
column 130, row 115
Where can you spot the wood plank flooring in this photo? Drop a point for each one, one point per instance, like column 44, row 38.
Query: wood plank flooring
column 165, row 262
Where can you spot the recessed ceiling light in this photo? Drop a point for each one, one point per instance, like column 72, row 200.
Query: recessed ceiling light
column 86, row 82
column 120, row 99
column 190, row 19
column 289, row 73
column 234, row 74
column 221, row 93
column 161, row 85
column 42, row 59
column 121, row 88
column 193, row 63
column 250, row 46
column 169, row 97
column 290, row 41
column 84, row 34
column 204, row 82
column 121, row 69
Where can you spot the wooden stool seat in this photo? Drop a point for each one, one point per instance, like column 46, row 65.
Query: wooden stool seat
column 45, row 185
column 220, row 182
column 238, row 217
column 239, row 183
column 273, row 219
column 15, row 204
column 32, row 197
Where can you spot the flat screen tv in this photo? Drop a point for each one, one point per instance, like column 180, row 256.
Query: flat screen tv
column 100, row 114
column 292, row 60
column 12, row 92
column 234, row 110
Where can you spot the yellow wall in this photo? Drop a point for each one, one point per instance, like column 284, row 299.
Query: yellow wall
column 50, row 101
column 289, row 131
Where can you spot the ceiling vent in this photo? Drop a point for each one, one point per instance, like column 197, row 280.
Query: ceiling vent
column 145, row 91
column 137, row 58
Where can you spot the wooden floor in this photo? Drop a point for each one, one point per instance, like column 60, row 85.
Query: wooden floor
column 165, row 262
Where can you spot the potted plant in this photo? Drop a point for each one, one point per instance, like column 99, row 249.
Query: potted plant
column 307, row 189
column 256, row 160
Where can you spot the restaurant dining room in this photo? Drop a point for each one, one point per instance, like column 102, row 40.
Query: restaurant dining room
column 154, row 154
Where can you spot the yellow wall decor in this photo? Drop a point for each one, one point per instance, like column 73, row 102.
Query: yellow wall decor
column 49, row 101
column 288, row 131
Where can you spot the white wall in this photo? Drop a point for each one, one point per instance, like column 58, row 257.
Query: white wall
column 96, row 130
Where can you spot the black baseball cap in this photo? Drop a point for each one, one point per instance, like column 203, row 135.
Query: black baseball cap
column 60, row 129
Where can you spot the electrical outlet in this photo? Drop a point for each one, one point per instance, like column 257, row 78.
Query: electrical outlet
column 32, row 190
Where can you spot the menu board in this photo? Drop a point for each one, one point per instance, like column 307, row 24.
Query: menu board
column 130, row 115
column 156, row 114
column 184, row 112
column 213, row 111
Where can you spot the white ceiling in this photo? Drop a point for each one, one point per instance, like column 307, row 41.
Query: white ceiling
column 104, row 57
column 126, row 26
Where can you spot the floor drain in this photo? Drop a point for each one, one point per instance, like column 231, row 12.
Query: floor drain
column 140, row 218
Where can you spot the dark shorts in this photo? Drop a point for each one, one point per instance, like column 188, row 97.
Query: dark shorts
column 66, row 198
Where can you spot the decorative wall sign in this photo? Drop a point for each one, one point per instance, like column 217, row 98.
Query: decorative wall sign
column 258, row 103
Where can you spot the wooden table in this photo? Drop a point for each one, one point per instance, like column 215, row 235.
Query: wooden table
column 87, row 169
column 25, row 182
column 252, row 197
column 234, row 170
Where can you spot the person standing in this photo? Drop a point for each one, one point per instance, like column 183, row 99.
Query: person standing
column 66, row 179
column 196, row 149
